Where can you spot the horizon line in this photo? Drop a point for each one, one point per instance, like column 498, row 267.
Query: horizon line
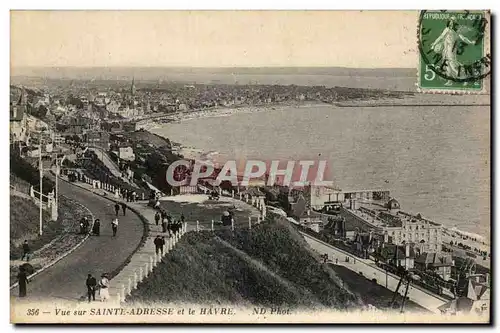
column 221, row 67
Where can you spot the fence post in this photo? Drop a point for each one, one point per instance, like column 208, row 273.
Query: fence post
column 232, row 224
column 197, row 225
column 232, row 193
column 141, row 275
column 32, row 191
column 129, row 287
column 249, row 222
column 258, row 219
column 122, row 291
column 212, row 225
column 241, row 195
column 135, row 279
column 146, row 270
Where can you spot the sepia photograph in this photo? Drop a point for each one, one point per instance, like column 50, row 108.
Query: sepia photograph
column 250, row 166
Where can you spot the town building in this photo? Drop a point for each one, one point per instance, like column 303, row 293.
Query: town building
column 403, row 228
column 18, row 119
column 476, row 299
column 396, row 255
column 437, row 262
column 98, row 139
column 319, row 196
column 312, row 220
column 126, row 153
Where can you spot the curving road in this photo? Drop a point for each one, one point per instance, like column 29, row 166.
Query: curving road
column 65, row 281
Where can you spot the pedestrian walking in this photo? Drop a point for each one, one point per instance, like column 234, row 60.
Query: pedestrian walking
column 104, row 287
column 134, row 196
column 26, row 251
column 163, row 242
column 158, row 243
column 96, row 230
column 164, row 224
column 117, row 208
column 182, row 218
column 157, row 217
column 124, row 208
column 91, row 287
column 22, row 279
column 114, row 226
column 157, row 204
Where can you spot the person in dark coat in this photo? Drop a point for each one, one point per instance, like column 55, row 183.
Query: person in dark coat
column 96, row 230
column 124, row 208
column 26, row 251
column 158, row 245
column 117, row 208
column 182, row 218
column 22, row 278
column 157, row 217
column 162, row 243
column 91, row 287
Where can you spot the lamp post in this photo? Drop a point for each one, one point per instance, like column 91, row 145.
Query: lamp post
column 40, row 166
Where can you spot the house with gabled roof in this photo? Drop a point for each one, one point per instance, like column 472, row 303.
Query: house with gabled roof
column 439, row 263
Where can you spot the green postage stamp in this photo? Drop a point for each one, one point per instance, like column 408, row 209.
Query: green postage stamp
column 453, row 51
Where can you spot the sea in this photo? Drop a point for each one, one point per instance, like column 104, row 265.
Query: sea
column 434, row 159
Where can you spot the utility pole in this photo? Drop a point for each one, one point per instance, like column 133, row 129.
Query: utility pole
column 386, row 277
column 57, row 184
column 41, row 177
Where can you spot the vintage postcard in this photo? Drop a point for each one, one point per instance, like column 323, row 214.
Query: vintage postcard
column 250, row 167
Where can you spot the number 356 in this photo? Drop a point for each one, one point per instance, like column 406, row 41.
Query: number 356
column 32, row 312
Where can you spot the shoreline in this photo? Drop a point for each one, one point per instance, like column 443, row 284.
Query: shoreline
column 194, row 153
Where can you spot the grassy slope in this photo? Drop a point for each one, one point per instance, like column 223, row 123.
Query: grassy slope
column 266, row 266
column 24, row 218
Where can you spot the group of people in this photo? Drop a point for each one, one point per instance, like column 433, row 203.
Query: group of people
column 168, row 224
column 102, row 286
column 128, row 195
column 123, row 207
column 84, row 225
column 96, row 228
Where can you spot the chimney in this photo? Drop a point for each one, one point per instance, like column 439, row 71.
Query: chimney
column 407, row 250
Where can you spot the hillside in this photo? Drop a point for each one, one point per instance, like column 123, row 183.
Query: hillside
column 268, row 266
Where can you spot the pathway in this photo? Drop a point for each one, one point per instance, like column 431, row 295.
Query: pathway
column 370, row 270
column 65, row 281
column 109, row 163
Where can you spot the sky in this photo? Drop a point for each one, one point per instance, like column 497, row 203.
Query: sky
column 357, row 39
